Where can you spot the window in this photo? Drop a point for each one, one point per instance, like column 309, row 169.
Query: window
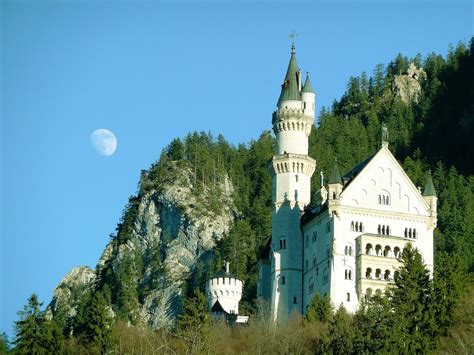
column 311, row 285
column 295, row 300
column 282, row 243
column 348, row 274
column 384, row 200
column 296, row 178
column 315, row 236
column 314, row 260
column 348, row 297
column 317, row 271
column 383, row 229
column 348, row 250
column 282, row 278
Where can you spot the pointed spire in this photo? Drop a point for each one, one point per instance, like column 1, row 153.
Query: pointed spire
column 307, row 85
column 429, row 187
column 335, row 177
column 290, row 89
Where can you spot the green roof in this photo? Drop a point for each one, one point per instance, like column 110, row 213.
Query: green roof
column 429, row 187
column 307, row 85
column 290, row 89
column 335, row 177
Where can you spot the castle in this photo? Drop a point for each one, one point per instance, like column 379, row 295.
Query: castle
column 348, row 245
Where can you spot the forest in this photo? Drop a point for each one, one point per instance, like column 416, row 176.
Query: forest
column 430, row 133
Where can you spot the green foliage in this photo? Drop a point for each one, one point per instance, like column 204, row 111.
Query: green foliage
column 4, row 343
column 94, row 322
column 195, row 312
column 320, row 309
column 34, row 334
column 341, row 332
column 412, row 299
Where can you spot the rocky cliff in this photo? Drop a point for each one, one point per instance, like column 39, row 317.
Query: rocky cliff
column 173, row 227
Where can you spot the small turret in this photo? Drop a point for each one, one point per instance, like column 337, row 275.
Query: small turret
column 308, row 97
column 226, row 289
column 429, row 194
column 335, row 183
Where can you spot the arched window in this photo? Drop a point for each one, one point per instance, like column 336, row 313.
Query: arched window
column 368, row 249
column 387, row 251
column 296, row 178
column 368, row 273
column 386, row 276
column 388, row 230
column 307, row 240
column 352, row 225
column 282, row 243
column 348, row 297
column 315, row 236
column 379, row 229
column 282, row 280
column 414, row 233
column 396, row 252
column 361, row 228
column 345, row 274
column 378, row 250
column 406, row 232
column 357, row 226
column 307, row 265
column 380, row 200
column 333, row 195
column 383, row 230
column 378, row 274
column 350, row 250
column 409, row 233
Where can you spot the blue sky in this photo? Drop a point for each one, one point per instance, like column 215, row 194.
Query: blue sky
column 151, row 71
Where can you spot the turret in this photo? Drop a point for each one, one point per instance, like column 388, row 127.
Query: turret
column 334, row 183
column 308, row 96
column 290, row 96
column 429, row 195
column 224, row 292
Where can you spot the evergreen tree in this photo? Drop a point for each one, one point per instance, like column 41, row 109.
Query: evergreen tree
column 34, row 333
column 320, row 309
column 341, row 332
column 412, row 302
column 195, row 313
column 4, row 344
column 94, row 322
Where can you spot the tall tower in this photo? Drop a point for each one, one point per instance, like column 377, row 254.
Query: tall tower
column 291, row 171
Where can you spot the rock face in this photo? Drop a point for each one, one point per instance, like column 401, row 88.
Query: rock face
column 70, row 289
column 407, row 86
column 176, row 223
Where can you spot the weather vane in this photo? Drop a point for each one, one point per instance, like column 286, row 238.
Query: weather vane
column 293, row 36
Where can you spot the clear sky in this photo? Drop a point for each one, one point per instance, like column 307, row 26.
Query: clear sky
column 150, row 71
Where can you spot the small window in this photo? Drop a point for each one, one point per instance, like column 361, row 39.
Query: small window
column 296, row 178
column 315, row 236
column 283, row 280
column 348, row 297
column 283, row 243
column 295, row 300
column 314, row 260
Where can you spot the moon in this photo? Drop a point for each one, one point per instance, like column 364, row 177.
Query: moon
column 104, row 142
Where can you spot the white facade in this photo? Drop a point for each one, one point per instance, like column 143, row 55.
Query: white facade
column 349, row 245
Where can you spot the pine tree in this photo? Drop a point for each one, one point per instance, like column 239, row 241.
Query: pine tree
column 195, row 312
column 341, row 332
column 4, row 344
column 320, row 309
column 412, row 300
column 28, row 328
column 34, row 333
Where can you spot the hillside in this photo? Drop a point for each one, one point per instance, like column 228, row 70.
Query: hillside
column 206, row 201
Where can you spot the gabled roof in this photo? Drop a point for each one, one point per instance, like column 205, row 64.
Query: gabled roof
column 217, row 307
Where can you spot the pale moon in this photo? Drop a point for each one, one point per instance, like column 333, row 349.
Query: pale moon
column 104, row 142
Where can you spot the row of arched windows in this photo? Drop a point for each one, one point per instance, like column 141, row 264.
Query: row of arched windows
column 411, row 233
column 357, row 226
column 383, row 229
column 387, row 251
column 384, row 200
column 379, row 274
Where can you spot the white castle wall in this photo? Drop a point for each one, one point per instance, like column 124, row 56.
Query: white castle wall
column 228, row 290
